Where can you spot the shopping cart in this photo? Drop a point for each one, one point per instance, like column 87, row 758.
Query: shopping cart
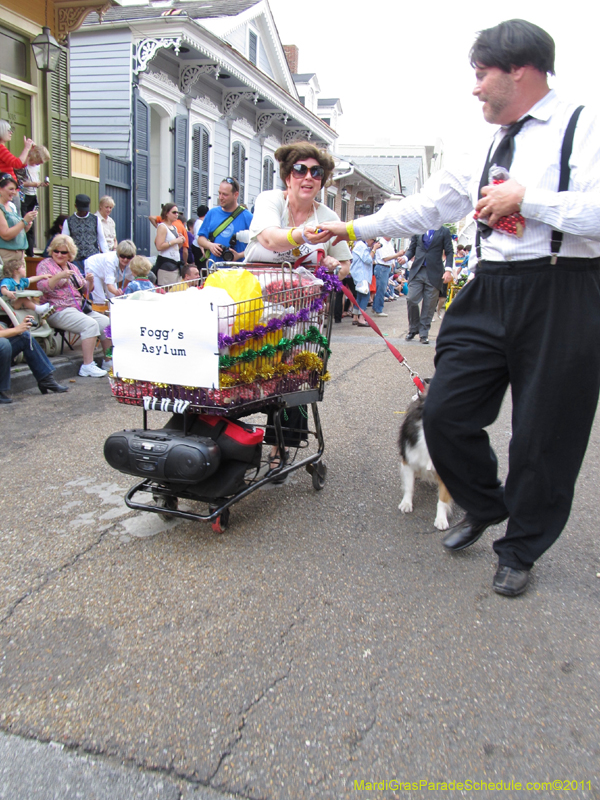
column 273, row 354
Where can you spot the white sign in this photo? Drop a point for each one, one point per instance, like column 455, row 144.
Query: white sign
column 170, row 338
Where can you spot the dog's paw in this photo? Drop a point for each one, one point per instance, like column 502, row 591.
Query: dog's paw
column 441, row 523
column 406, row 506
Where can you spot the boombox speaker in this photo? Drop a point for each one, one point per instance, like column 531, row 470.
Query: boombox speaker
column 163, row 455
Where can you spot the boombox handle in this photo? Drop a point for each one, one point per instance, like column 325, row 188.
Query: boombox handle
column 186, row 417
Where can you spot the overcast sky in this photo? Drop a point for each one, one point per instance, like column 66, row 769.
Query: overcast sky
column 402, row 70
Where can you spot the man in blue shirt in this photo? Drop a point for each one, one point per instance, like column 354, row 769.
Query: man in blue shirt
column 229, row 192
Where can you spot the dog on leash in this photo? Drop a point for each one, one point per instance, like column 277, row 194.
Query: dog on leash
column 416, row 462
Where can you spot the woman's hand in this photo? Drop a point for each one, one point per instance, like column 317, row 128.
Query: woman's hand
column 30, row 216
column 330, row 263
column 316, row 235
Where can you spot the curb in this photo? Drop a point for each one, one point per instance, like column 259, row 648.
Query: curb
column 21, row 377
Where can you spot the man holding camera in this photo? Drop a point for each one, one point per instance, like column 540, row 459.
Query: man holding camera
column 222, row 223
column 18, row 340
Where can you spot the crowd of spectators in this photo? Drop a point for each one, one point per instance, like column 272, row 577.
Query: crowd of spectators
column 84, row 266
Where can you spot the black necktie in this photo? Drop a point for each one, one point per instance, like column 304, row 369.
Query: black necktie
column 502, row 157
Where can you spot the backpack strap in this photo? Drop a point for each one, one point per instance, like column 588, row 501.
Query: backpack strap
column 565, row 175
column 218, row 231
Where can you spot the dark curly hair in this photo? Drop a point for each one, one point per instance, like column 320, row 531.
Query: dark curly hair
column 290, row 154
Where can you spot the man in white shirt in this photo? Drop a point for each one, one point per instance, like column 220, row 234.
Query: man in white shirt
column 384, row 257
column 530, row 318
column 108, row 270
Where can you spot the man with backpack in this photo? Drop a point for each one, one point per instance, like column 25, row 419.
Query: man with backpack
column 218, row 231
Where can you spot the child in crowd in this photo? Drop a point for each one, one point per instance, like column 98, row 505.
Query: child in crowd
column 14, row 280
column 140, row 268
column 38, row 155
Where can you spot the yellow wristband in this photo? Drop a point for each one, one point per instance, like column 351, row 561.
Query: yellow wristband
column 291, row 239
column 350, row 231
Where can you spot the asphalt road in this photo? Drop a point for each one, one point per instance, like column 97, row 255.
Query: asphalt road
column 325, row 639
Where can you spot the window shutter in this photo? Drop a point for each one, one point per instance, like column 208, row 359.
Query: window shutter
column 252, row 47
column 268, row 172
column 238, row 166
column 181, row 162
column 195, row 173
column 204, row 176
column 141, row 174
column 200, row 145
column 59, row 138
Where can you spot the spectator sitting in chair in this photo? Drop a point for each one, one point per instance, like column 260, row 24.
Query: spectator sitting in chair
column 190, row 273
column 18, row 340
column 65, row 289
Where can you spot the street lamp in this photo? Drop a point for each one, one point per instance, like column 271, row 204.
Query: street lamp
column 46, row 51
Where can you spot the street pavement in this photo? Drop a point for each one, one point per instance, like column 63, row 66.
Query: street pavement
column 325, row 639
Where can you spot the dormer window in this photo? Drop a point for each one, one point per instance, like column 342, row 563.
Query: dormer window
column 252, row 47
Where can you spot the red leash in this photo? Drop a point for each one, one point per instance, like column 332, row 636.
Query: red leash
column 395, row 352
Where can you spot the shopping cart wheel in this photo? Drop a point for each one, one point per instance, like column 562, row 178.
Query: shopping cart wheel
column 168, row 503
column 319, row 473
column 220, row 524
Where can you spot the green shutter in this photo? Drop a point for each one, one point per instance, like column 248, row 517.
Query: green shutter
column 59, row 138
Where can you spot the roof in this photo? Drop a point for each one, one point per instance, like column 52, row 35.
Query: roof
column 303, row 77
column 328, row 102
column 383, row 170
column 384, row 167
column 194, row 10
column 410, row 169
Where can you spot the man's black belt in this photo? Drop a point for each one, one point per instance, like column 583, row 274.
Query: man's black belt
column 539, row 263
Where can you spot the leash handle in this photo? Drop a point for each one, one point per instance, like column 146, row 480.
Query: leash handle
column 395, row 352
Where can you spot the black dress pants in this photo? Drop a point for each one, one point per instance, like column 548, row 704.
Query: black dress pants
column 341, row 301
column 535, row 327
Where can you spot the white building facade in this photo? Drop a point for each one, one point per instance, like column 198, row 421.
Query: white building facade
column 177, row 98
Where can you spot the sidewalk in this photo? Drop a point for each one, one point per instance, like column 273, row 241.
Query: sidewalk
column 66, row 366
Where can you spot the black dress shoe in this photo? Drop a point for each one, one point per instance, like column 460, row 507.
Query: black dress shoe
column 48, row 384
column 410, row 336
column 466, row 532
column 509, row 581
column 4, row 398
column 424, row 340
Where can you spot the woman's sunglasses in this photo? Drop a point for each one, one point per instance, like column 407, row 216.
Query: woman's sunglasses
column 61, row 252
column 300, row 170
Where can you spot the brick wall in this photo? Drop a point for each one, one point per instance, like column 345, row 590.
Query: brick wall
column 291, row 54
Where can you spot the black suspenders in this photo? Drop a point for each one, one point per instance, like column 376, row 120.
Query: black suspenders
column 565, row 174
column 563, row 183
